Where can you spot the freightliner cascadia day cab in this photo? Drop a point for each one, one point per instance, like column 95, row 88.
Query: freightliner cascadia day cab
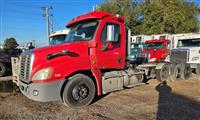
column 93, row 60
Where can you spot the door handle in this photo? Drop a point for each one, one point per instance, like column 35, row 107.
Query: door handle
column 119, row 59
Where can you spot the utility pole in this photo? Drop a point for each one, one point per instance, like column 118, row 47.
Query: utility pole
column 47, row 15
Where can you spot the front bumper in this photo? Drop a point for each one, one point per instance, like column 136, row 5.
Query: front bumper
column 43, row 92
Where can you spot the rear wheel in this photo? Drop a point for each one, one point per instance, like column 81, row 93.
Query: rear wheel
column 163, row 73
column 187, row 71
column 197, row 70
column 177, row 72
column 79, row 91
column 2, row 69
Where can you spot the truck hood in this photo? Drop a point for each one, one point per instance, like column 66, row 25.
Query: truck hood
column 78, row 48
column 151, row 52
column 56, row 48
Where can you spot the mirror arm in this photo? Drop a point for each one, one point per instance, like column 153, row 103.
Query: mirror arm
column 104, row 47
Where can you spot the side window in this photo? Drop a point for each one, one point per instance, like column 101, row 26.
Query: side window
column 139, row 39
column 116, row 34
column 162, row 37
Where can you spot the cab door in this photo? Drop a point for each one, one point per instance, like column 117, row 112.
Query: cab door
column 110, row 51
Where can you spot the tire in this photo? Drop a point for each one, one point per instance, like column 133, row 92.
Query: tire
column 187, row 71
column 163, row 73
column 197, row 70
column 177, row 72
column 2, row 69
column 79, row 91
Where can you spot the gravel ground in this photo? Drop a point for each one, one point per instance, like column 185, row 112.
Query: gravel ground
column 179, row 100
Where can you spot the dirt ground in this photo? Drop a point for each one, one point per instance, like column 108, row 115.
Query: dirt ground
column 179, row 100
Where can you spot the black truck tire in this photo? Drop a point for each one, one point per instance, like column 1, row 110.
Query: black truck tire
column 79, row 91
column 177, row 72
column 163, row 73
column 186, row 71
column 2, row 69
column 197, row 70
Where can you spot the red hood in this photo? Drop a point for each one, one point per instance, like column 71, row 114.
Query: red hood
column 56, row 48
column 151, row 52
column 40, row 54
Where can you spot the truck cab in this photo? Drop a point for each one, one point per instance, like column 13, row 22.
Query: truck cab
column 189, row 45
column 91, row 61
column 154, row 51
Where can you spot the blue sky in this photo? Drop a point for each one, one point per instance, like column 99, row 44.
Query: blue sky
column 23, row 19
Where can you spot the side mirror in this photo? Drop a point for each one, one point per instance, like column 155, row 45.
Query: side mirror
column 110, row 33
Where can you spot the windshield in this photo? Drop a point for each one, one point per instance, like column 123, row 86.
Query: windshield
column 82, row 31
column 137, row 45
column 189, row 43
column 58, row 39
column 136, row 49
column 153, row 45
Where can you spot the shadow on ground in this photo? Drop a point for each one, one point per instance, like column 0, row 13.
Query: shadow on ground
column 7, row 86
column 173, row 106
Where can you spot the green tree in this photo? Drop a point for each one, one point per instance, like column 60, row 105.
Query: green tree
column 128, row 8
column 169, row 16
column 156, row 16
column 10, row 43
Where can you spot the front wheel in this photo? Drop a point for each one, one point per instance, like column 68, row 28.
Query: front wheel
column 79, row 91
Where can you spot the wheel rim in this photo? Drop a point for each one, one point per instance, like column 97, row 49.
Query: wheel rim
column 165, row 73
column 80, row 92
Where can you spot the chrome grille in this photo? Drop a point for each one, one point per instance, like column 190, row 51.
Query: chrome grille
column 25, row 66
column 179, row 55
column 143, row 58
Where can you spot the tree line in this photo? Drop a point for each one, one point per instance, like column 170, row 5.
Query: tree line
column 10, row 43
column 156, row 16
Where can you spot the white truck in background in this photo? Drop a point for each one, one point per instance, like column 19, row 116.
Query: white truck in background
column 140, row 38
column 188, row 42
column 58, row 37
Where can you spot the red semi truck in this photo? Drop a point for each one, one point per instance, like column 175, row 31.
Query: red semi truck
column 154, row 51
column 93, row 60
column 153, row 59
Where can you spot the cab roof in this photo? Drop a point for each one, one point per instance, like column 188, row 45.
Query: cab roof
column 156, row 40
column 95, row 15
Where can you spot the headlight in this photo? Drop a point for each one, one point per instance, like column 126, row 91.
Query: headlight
column 43, row 74
column 152, row 59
